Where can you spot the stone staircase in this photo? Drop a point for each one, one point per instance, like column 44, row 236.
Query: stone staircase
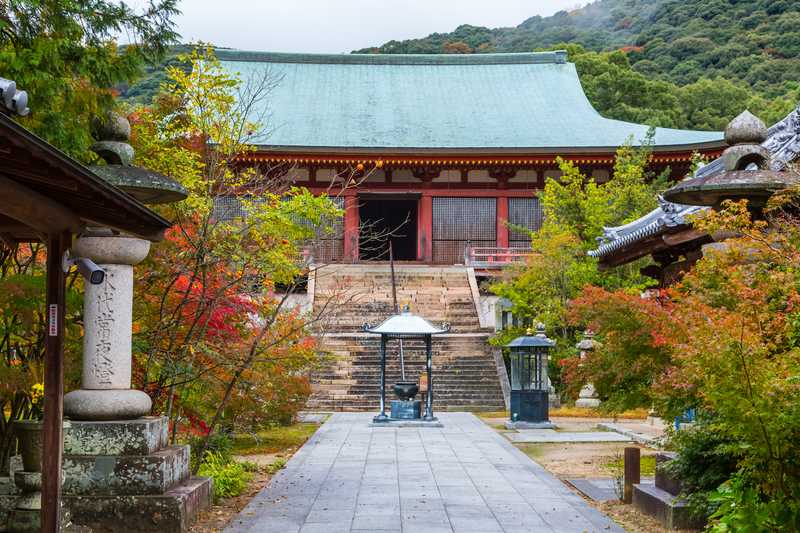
column 465, row 373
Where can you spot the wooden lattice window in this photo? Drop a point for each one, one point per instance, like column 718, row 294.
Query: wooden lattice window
column 523, row 213
column 328, row 247
column 457, row 221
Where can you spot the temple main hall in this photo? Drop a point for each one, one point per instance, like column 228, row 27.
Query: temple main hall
column 435, row 152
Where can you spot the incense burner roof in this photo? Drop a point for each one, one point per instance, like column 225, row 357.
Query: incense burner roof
column 406, row 324
column 495, row 102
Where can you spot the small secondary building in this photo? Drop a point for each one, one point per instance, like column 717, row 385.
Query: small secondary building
column 666, row 233
column 437, row 150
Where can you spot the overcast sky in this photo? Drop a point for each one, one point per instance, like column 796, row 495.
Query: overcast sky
column 335, row 26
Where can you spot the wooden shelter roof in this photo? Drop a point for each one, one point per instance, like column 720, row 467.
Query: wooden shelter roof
column 49, row 193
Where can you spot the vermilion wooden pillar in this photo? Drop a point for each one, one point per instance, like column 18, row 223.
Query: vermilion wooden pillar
column 52, row 438
column 502, row 219
column 351, row 226
column 425, row 229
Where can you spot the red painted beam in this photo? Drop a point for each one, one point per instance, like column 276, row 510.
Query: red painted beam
column 398, row 160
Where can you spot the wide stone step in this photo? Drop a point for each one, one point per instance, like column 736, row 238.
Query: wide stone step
column 354, row 406
column 464, row 367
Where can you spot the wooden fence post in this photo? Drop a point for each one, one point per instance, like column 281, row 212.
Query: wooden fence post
column 632, row 472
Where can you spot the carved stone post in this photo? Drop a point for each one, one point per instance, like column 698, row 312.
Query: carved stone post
column 588, row 396
column 105, row 392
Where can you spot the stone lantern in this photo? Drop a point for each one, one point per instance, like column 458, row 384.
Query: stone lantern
column 748, row 171
column 530, row 384
column 588, row 396
column 120, row 470
column 106, row 392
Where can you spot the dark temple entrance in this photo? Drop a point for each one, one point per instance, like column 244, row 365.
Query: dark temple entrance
column 387, row 218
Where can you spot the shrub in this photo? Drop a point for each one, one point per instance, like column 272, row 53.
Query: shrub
column 230, row 478
column 742, row 507
column 704, row 462
column 220, row 444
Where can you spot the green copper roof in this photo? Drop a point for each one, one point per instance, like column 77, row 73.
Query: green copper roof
column 482, row 101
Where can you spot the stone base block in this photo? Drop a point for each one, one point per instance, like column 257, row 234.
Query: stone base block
column 25, row 521
column 103, row 475
column 420, row 423
column 106, row 404
column 664, row 480
column 405, row 410
column 116, row 437
column 8, row 499
column 6, row 505
column 28, row 481
column 671, row 512
column 590, row 403
column 530, row 425
column 172, row 512
column 7, row 486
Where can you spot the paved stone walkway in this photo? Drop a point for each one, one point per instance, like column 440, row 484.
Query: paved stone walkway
column 350, row 477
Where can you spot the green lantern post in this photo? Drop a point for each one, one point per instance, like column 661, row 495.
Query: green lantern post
column 530, row 385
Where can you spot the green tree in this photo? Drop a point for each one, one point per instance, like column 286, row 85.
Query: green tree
column 725, row 341
column 64, row 53
column 576, row 209
column 216, row 339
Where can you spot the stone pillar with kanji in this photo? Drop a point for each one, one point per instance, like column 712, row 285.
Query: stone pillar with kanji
column 106, row 392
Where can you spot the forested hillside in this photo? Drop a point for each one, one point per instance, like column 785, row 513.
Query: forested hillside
column 752, row 44
column 672, row 63
column 757, row 41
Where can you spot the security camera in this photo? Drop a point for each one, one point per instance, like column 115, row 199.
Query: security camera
column 12, row 99
column 7, row 91
column 87, row 268
column 19, row 103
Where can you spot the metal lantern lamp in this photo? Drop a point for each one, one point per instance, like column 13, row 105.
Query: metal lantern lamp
column 529, row 381
column 400, row 327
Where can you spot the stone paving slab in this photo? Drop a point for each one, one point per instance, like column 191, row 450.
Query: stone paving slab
column 600, row 489
column 639, row 433
column 463, row 477
column 550, row 435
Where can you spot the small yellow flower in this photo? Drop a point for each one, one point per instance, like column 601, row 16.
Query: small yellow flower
column 37, row 392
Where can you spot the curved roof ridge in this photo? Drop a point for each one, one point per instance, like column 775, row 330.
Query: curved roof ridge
column 557, row 56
